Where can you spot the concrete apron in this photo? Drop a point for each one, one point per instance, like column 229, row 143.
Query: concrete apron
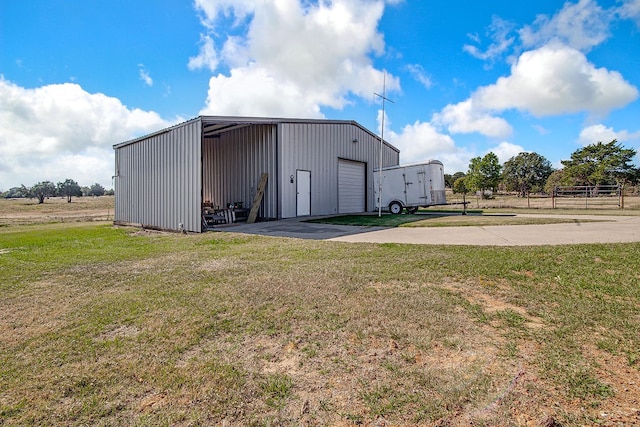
column 608, row 229
column 616, row 229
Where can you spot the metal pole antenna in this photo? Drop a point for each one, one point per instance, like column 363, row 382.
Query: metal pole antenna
column 384, row 98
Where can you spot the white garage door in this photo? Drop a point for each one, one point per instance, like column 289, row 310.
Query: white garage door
column 351, row 186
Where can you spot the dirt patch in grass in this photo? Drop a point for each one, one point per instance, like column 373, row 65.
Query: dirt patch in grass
column 613, row 374
column 623, row 407
column 348, row 378
column 38, row 311
column 492, row 304
column 226, row 329
column 119, row 331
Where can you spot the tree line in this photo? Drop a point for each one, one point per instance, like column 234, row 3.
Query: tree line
column 594, row 165
column 67, row 188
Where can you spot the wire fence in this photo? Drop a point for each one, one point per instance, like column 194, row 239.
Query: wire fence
column 588, row 196
column 574, row 197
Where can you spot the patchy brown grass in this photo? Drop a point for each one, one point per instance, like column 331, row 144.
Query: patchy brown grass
column 56, row 209
column 114, row 326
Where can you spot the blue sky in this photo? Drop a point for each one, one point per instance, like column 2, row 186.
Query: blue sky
column 466, row 77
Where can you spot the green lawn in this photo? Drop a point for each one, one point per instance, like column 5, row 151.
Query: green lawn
column 441, row 219
column 115, row 326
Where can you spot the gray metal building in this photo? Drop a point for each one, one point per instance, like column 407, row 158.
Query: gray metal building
column 314, row 167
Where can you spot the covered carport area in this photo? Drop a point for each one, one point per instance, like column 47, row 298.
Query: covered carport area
column 235, row 155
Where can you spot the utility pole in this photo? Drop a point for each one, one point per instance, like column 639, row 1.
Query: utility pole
column 384, row 98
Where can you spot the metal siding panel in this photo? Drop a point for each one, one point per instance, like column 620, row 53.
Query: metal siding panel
column 157, row 180
column 317, row 147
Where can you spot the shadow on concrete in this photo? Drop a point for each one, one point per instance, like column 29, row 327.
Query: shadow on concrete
column 302, row 228
column 298, row 228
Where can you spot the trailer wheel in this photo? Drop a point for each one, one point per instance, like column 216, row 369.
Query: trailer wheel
column 395, row 208
column 412, row 210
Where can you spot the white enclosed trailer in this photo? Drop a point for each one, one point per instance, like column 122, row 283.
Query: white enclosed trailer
column 410, row 186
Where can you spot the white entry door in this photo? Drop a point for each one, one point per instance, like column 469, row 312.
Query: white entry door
column 303, row 196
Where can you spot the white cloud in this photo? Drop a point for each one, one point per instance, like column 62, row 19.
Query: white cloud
column 144, row 75
column 556, row 79
column 540, row 129
column 235, row 53
column 552, row 80
column 383, row 121
column 600, row 133
column 581, row 25
column 506, row 150
column 630, row 9
column 211, row 10
column 207, row 57
column 296, row 57
column 499, row 31
column 60, row 131
column 466, row 117
column 421, row 141
column 251, row 91
column 420, row 75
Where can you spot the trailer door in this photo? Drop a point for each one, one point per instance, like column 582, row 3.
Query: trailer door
column 424, row 183
column 415, row 187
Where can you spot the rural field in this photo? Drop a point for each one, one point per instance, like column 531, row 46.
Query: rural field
column 117, row 326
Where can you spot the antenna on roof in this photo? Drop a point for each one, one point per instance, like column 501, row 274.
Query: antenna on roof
column 384, row 98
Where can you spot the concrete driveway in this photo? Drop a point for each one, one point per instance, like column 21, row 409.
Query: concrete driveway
column 607, row 229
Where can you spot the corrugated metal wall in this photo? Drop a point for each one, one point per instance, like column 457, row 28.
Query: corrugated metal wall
column 233, row 164
column 317, row 147
column 158, row 179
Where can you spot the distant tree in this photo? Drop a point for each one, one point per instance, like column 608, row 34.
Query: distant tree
column 69, row 188
column 96, row 190
column 600, row 164
column 635, row 179
column 41, row 190
column 26, row 191
column 526, row 172
column 460, row 187
column 109, row 192
column 474, row 179
column 15, row 193
column 458, row 175
column 554, row 180
column 484, row 173
column 86, row 191
column 448, row 180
